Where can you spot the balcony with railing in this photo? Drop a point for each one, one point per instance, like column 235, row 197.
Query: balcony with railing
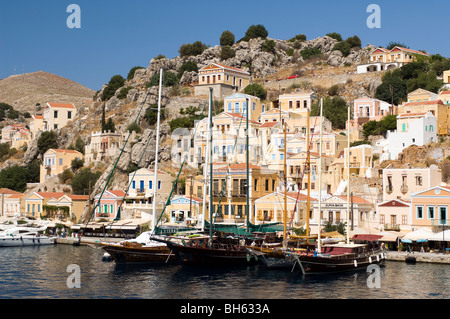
column 392, row 227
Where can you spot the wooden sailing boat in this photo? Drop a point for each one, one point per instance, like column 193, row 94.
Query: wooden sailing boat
column 342, row 256
column 219, row 250
column 327, row 258
column 143, row 249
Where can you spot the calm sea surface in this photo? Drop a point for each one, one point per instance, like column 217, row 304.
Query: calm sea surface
column 42, row 273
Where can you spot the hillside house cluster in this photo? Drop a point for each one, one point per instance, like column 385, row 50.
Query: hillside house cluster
column 284, row 154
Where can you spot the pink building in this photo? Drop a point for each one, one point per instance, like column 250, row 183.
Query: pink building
column 108, row 205
column 368, row 109
column 429, row 208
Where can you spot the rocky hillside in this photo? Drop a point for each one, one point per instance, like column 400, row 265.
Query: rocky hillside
column 24, row 91
column 267, row 68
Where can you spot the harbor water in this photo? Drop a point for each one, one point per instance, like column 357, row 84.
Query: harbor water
column 50, row 272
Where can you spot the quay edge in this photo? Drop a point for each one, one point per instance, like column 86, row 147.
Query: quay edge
column 436, row 258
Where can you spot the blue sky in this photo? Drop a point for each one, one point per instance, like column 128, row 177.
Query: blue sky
column 116, row 35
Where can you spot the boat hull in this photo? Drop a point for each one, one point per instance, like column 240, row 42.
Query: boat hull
column 309, row 264
column 139, row 254
column 205, row 256
column 26, row 241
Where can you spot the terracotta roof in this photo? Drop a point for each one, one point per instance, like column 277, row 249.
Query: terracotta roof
column 118, row 193
column 61, row 105
column 240, row 116
column 269, row 124
column 79, row 197
column 50, row 194
column 444, row 92
column 408, row 50
column 412, row 114
column 356, row 199
column 38, row 117
column 394, row 203
column 425, row 103
column 16, row 196
column 65, row 151
column 8, row 191
column 300, row 196
column 240, row 166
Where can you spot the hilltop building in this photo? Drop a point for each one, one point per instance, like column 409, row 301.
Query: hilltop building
column 382, row 59
column 224, row 80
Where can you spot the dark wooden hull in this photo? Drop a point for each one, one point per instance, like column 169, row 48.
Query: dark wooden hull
column 206, row 256
column 128, row 254
column 308, row 264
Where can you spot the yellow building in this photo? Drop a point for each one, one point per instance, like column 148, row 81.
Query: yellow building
column 57, row 115
column 36, row 124
column 446, row 77
column 229, row 190
column 75, row 203
column 35, row 203
column 436, row 107
column 55, row 161
column 395, row 55
column 444, row 96
column 223, row 79
column 237, row 104
column 270, row 208
column 421, row 95
column 299, row 102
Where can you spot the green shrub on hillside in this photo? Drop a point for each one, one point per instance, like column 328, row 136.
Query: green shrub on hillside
column 132, row 72
column 227, row 38
column 309, row 53
column 227, row 53
column 116, row 82
column 255, row 31
column 193, row 49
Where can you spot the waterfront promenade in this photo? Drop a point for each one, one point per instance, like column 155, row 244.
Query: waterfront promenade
column 436, row 258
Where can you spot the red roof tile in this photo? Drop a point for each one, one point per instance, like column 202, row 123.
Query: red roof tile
column 61, row 105
column 425, row 103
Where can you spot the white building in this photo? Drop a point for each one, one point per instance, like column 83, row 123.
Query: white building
column 412, row 129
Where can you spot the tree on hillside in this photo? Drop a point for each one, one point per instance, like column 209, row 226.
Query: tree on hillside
column 114, row 84
column 46, row 141
column 335, row 36
column 188, row 66
column 335, row 109
column 393, row 88
column 132, row 72
column 388, row 123
column 193, row 49
column 256, row 31
column 14, row 178
column 80, row 182
column 227, row 38
column 256, row 90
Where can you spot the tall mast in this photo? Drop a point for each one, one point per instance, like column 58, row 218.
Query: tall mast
column 205, row 168
column 248, row 174
column 308, row 164
column 210, row 166
column 320, row 173
column 285, row 188
column 155, row 186
column 348, row 175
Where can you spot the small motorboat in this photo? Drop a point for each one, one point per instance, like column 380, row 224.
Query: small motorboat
column 25, row 236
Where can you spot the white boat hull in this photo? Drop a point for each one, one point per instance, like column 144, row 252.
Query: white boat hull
column 26, row 241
